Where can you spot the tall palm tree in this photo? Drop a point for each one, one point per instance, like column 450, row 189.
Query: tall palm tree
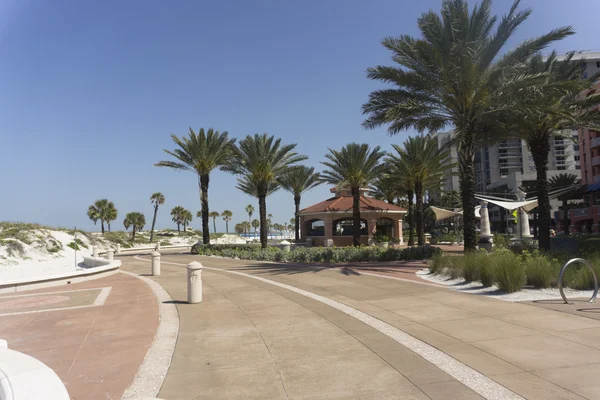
column 136, row 220
column 270, row 223
column 104, row 211
column 427, row 164
column 249, row 210
column 564, row 181
column 454, row 75
column 262, row 160
column 177, row 216
column 354, row 167
column 214, row 215
column 255, row 224
column 94, row 214
column 546, row 113
column 227, row 217
column 201, row 153
column 298, row 180
column 156, row 199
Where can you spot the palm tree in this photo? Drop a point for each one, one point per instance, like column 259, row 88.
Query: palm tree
column 250, row 210
column 454, row 75
column 94, row 214
column 186, row 218
column 103, row 211
column 354, row 167
column 226, row 217
column 110, row 213
column 213, row 215
column 177, row 216
column 136, row 220
column 156, row 199
column 384, row 188
column 564, row 181
column 262, row 160
column 270, row 223
column 547, row 113
column 426, row 164
column 298, row 180
column 255, row 224
column 201, row 153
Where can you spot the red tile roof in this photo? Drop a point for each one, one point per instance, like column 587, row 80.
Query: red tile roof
column 344, row 203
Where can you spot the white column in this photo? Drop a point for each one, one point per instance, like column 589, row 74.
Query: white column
column 194, row 281
column 110, row 254
column 524, row 224
column 155, row 263
column 118, row 249
column 484, row 223
column 95, row 252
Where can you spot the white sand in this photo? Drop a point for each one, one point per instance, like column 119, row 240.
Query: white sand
column 526, row 294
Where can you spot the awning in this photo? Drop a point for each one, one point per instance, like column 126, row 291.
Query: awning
column 510, row 205
column 442, row 213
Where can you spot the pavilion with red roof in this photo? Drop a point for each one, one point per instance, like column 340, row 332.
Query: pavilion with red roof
column 329, row 223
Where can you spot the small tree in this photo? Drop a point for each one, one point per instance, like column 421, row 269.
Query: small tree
column 135, row 220
column 226, row 217
column 156, row 199
column 214, row 215
column 249, row 210
column 298, row 180
column 177, row 217
column 255, row 225
column 186, row 218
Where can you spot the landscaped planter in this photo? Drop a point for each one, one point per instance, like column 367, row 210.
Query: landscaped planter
column 383, row 245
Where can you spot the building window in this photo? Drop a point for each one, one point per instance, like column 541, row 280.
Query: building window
column 577, row 157
column 578, row 167
column 561, row 168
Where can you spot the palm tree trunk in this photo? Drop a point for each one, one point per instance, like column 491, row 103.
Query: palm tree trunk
column 133, row 234
column 215, row 224
column 419, row 214
column 540, row 150
column 297, row 217
column 535, row 224
column 204, row 180
column 178, row 229
column 153, row 223
column 411, row 218
column 262, row 211
column 102, row 224
column 466, row 157
column 566, row 220
column 356, row 217
column 108, row 226
column 227, row 225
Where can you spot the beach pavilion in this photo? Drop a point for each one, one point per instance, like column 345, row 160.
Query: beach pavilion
column 329, row 223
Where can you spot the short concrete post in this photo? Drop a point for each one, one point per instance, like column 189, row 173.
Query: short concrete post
column 118, row 249
column 3, row 344
column 95, row 252
column 155, row 263
column 110, row 255
column 285, row 246
column 90, row 248
column 158, row 246
column 194, row 277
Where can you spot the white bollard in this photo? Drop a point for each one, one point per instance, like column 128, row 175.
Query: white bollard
column 118, row 249
column 285, row 246
column 158, row 246
column 155, row 263
column 95, row 252
column 110, row 255
column 194, row 277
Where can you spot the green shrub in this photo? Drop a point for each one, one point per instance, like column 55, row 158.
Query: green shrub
column 509, row 273
column 13, row 248
column 472, row 265
column 77, row 244
column 541, row 271
column 315, row 254
column 439, row 264
column 381, row 239
column 501, row 241
column 486, row 271
column 457, row 267
column 590, row 246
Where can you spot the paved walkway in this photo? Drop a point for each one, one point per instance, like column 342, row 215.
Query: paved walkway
column 94, row 335
column 253, row 339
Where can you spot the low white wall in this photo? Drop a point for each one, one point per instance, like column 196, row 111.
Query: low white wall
column 98, row 268
column 24, row 377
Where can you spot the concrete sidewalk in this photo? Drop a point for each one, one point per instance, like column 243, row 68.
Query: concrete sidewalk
column 251, row 339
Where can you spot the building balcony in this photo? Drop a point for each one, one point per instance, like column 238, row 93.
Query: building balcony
column 579, row 212
column 595, row 142
column 596, row 161
column 514, row 145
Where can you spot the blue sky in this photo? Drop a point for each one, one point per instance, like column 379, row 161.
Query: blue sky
column 91, row 90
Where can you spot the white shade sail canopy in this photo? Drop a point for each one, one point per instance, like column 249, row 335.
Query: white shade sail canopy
column 442, row 213
column 510, row 205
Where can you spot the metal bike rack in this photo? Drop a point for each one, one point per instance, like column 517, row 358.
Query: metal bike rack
column 562, row 272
